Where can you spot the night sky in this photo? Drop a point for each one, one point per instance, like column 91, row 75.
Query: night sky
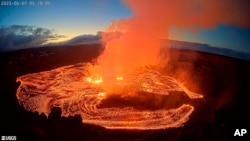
column 62, row 20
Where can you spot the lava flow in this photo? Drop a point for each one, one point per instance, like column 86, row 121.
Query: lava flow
column 75, row 93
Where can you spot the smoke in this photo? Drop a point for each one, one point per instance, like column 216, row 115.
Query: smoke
column 140, row 42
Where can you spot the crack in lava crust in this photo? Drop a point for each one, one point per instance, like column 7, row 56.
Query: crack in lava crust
column 66, row 87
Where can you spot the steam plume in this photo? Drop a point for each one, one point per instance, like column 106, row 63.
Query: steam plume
column 139, row 44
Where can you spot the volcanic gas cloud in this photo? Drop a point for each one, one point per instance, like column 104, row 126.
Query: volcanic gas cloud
column 139, row 42
column 128, row 66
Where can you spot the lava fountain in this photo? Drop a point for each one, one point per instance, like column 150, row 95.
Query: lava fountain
column 76, row 94
column 122, row 68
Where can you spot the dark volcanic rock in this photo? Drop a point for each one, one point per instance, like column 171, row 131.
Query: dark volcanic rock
column 223, row 81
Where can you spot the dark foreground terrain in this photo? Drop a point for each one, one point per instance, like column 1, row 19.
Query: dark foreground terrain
column 223, row 81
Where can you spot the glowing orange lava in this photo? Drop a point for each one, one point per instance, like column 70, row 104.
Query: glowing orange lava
column 76, row 94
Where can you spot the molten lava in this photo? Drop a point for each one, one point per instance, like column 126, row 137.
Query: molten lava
column 137, row 43
column 75, row 93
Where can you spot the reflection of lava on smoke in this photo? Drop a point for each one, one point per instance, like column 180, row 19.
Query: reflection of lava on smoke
column 68, row 88
column 136, row 44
